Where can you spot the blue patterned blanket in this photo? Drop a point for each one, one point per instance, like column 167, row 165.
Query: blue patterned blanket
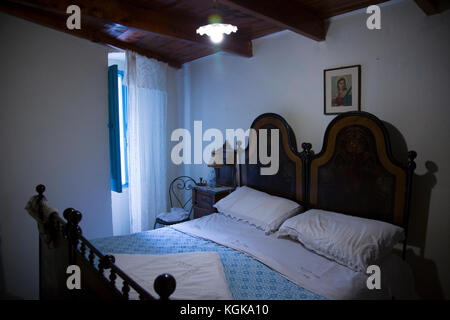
column 248, row 279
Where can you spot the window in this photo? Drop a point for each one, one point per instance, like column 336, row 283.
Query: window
column 117, row 99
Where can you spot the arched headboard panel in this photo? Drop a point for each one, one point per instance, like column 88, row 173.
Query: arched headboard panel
column 355, row 172
column 288, row 182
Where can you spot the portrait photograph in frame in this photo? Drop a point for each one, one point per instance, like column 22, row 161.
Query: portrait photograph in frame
column 342, row 89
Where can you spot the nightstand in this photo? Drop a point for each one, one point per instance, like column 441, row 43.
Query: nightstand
column 204, row 197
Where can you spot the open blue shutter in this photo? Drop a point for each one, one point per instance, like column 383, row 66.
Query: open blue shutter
column 114, row 132
column 125, row 128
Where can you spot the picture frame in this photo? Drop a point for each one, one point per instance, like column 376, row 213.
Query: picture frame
column 342, row 89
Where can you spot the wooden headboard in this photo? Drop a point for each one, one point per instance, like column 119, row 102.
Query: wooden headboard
column 355, row 172
column 288, row 182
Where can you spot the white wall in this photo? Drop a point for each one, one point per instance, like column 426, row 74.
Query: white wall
column 54, row 115
column 405, row 81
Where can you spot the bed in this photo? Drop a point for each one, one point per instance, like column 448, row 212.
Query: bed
column 354, row 174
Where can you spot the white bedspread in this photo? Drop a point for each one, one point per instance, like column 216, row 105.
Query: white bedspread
column 198, row 275
column 303, row 267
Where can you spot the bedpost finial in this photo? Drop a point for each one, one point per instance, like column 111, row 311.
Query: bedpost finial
column 307, row 152
column 164, row 285
column 72, row 230
column 67, row 212
column 412, row 155
column 306, row 146
column 75, row 217
column 40, row 189
column 72, row 216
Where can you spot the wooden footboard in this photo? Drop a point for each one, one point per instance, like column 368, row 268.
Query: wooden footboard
column 61, row 244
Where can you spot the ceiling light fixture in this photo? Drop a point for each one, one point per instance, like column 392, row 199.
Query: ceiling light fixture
column 216, row 29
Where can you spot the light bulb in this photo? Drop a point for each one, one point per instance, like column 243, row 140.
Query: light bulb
column 215, row 31
column 216, row 37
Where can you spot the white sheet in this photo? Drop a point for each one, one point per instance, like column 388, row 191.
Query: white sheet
column 303, row 267
column 198, row 275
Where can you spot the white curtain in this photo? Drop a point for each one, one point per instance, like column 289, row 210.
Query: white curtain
column 147, row 113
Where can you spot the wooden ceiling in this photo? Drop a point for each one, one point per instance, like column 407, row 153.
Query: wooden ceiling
column 165, row 29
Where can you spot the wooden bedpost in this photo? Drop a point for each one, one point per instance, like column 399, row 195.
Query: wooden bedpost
column 72, row 230
column 62, row 244
column 53, row 252
column 412, row 155
column 306, row 155
column 164, row 286
column 40, row 189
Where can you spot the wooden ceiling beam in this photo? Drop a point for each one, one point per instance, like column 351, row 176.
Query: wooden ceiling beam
column 288, row 14
column 58, row 22
column 428, row 6
column 344, row 7
column 159, row 23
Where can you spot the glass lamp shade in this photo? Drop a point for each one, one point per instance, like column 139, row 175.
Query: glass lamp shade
column 215, row 31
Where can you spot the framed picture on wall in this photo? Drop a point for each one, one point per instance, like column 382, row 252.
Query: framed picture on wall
column 342, row 89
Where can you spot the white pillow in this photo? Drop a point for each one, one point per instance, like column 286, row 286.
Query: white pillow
column 258, row 208
column 352, row 241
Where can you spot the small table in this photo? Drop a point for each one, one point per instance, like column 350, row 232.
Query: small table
column 204, row 197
